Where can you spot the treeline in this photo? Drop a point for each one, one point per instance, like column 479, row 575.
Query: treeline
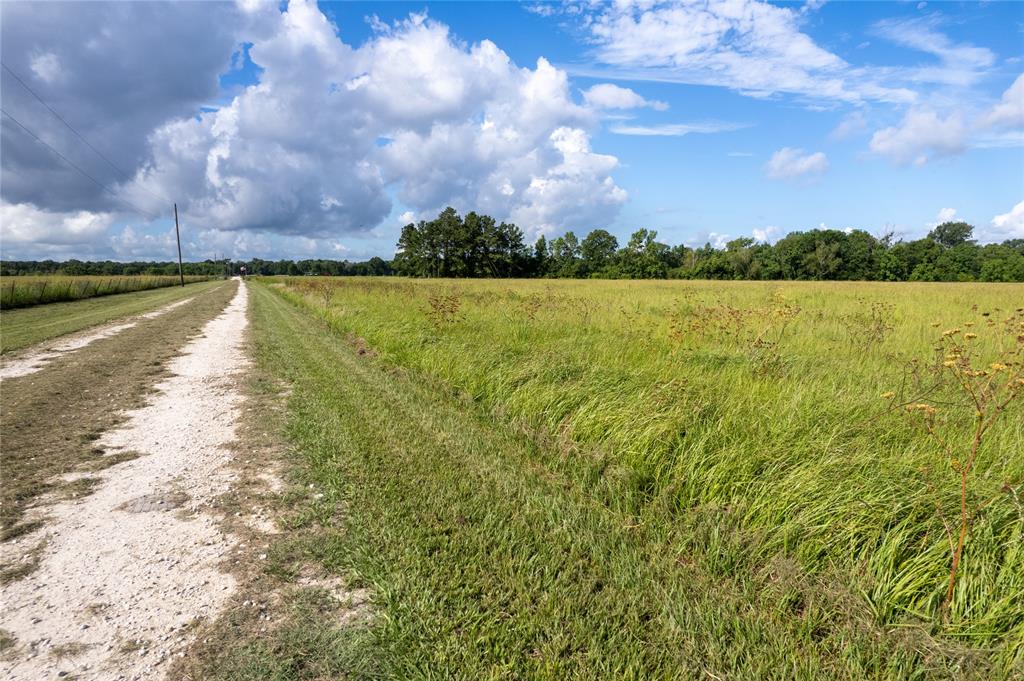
column 476, row 246
column 211, row 268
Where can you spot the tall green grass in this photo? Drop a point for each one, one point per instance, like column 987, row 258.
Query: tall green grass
column 754, row 405
column 38, row 290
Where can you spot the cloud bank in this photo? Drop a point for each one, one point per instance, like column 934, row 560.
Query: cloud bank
column 316, row 148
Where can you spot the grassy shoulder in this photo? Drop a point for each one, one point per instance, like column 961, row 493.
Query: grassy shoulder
column 774, row 406
column 283, row 620
column 88, row 391
column 486, row 560
column 27, row 326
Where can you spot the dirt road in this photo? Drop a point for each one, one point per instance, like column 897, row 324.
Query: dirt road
column 124, row 573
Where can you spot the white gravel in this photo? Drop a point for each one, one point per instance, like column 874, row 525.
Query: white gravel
column 121, row 586
column 37, row 358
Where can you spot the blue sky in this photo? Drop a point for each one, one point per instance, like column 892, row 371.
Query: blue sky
column 317, row 130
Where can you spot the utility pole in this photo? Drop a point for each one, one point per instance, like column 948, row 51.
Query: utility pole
column 177, row 234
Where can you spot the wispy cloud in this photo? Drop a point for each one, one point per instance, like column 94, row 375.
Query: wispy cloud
column 850, row 125
column 960, row 63
column 678, row 129
column 610, row 96
column 755, row 48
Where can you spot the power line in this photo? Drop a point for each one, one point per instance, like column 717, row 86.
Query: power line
column 64, row 158
column 80, row 136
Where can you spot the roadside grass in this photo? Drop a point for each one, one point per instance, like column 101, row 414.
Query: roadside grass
column 20, row 328
column 283, row 621
column 745, row 420
column 492, row 551
column 24, row 291
column 50, row 420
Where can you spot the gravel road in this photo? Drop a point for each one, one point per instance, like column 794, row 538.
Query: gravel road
column 126, row 570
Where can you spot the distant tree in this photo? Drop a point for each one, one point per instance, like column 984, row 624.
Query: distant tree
column 1000, row 262
column 540, row 257
column 824, row 261
column 644, row 257
column 860, row 253
column 740, row 253
column 598, row 251
column 564, row 253
column 409, row 256
column 712, row 263
column 950, row 234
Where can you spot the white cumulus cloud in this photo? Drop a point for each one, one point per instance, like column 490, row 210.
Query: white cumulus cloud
column 1009, row 225
column 764, row 234
column 1009, row 112
column 26, row 223
column 921, row 135
column 442, row 122
column 789, row 163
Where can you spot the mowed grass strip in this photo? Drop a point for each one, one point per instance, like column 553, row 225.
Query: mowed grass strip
column 752, row 407
column 488, row 562
column 21, row 328
column 50, row 420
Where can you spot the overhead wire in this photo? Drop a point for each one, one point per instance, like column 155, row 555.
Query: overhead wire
column 79, row 135
column 144, row 213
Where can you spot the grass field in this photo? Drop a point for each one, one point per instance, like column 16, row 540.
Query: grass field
column 668, row 475
column 39, row 290
column 22, row 327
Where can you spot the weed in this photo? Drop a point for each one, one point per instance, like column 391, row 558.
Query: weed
column 67, row 650
column 869, row 325
column 958, row 427
column 443, row 309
